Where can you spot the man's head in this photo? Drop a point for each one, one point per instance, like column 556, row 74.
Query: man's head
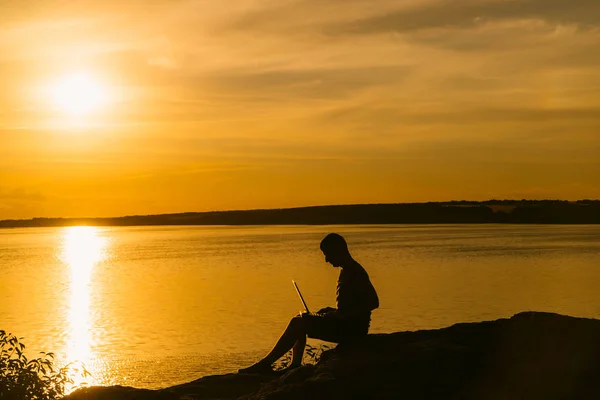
column 335, row 249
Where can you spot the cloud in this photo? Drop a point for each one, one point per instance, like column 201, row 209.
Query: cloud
column 427, row 93
column 470, row 13
column 292, row 85
column 299, row 16
column 20, row 194
column 20, row 203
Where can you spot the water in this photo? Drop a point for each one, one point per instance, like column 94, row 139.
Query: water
column 156, row 306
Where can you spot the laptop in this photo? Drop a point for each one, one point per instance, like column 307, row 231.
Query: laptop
column 301, row 298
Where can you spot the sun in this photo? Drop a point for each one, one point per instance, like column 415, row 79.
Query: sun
column 78, row 94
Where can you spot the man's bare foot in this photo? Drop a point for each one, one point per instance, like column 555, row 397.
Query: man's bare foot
column 288, row 368
column 260, row 367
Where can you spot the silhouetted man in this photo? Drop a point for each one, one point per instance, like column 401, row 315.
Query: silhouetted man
column 356, row 298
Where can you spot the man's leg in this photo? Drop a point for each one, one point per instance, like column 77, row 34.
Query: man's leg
column 293, row 334
column 298, row 352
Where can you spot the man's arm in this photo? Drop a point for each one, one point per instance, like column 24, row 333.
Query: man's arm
column 372, row 300
column 326, row 310
column 355, row 294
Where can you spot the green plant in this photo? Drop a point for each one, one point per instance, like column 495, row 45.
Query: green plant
column 35, row 379
column 312, row 355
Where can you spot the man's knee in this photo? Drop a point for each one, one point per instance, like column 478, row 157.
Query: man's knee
column 297, row 322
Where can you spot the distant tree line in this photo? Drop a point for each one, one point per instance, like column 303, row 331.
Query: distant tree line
column 453, row 212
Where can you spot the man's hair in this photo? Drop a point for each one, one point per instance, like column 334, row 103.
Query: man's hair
column 334, row 241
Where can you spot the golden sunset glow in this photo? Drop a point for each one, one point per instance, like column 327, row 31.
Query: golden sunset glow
column 201, row 105
column 78, row 94
column 82, row 249
column 168, row 166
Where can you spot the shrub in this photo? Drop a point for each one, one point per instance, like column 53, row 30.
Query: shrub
column 312, row 355
column 35, row 379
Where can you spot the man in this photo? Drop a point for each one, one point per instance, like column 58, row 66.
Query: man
column 356, row 298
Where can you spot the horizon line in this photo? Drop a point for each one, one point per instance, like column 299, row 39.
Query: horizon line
column 301, row 207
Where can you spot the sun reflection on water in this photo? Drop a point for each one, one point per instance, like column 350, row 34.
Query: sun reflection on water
column 82, row 249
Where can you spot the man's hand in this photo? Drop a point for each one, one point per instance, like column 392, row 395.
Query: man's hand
column 325, row 311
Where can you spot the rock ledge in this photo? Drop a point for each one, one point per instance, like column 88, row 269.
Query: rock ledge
column 532, row 355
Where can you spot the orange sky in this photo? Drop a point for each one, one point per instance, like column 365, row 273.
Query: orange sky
column 260, row 104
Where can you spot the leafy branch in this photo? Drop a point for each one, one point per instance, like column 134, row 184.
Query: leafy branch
column 312, row 355
column 32, row 379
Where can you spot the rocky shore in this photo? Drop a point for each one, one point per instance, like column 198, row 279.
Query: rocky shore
column 532, row 355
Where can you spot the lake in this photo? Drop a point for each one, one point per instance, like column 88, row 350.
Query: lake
column 156, row 306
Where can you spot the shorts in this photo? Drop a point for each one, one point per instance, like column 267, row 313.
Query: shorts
column 332, row 329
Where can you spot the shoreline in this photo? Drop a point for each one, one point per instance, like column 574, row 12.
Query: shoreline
column 489, row 212
column 533, row 355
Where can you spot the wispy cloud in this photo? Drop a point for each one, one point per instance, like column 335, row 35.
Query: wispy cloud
column 426, row 94
column 471, row 13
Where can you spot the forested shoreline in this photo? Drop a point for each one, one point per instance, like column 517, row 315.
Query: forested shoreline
column 454, row 212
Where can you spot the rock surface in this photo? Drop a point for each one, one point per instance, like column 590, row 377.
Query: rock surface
column 532, row 355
